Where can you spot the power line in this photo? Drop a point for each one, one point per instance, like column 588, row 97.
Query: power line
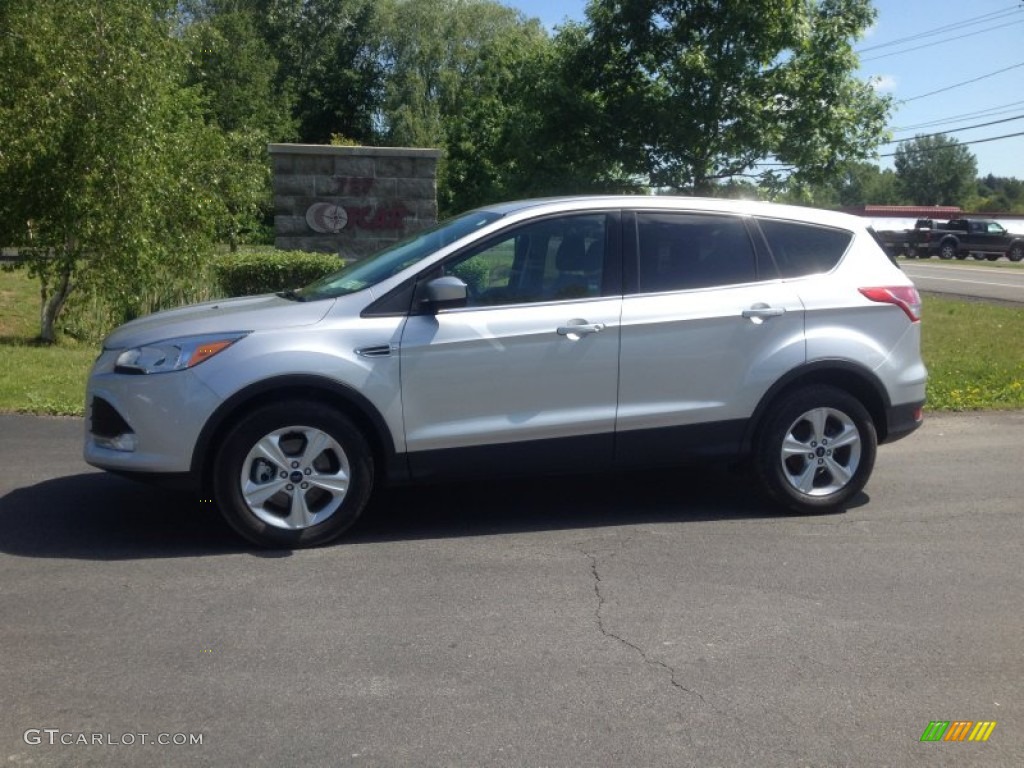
column 965, row 82
column 957, row 130
column 1002, row 109
column 962, row 143
column 959, row 25
column 940, row 42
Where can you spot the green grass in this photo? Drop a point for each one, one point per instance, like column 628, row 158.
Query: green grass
column 43, row 379
column 974, row 352
column 975, row 355
column 37, row 378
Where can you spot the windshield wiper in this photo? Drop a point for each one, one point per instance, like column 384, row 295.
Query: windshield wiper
column 291, row 295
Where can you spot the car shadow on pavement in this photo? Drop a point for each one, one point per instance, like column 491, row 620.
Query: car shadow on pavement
column 98, row 516
column 507, row 505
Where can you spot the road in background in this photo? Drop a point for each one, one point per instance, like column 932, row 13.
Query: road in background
column 1004, row 283
column 657, row 619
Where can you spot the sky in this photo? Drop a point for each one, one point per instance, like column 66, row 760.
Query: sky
column 918, row 47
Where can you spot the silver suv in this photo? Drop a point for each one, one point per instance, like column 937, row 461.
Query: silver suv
column 561, row 335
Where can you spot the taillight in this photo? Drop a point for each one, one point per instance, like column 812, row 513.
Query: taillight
column 905, row 297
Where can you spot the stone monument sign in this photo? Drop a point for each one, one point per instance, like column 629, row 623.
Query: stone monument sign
column 351, row 200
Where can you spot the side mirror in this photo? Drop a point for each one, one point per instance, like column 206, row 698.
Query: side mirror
column 445, row 293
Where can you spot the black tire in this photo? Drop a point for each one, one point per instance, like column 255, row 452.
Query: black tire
column 308, row 475
column 948, row 250
column 1015, row 252
column 833, row 476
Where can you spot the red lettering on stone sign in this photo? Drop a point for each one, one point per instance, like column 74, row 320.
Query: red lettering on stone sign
column 382, row 217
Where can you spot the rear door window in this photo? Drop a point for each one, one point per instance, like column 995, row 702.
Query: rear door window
column 804, row 249
column 680, row 251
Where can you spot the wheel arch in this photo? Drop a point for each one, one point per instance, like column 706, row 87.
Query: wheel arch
column 304, row 387
column 841, row 374
column 1016, row 243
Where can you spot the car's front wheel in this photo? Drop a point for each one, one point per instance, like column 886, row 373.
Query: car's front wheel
column 292, row 474
column 816, row 449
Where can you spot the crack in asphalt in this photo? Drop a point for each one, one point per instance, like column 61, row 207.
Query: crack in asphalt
column 599, row 619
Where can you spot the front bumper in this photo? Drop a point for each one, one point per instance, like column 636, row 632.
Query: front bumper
column 144, row 423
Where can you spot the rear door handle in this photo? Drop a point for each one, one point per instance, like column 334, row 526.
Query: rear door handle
column 574, row 329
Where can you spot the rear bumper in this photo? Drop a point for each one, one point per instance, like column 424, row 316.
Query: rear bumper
column 903, row 419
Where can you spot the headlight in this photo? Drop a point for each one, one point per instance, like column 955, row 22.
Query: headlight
column 174, row 354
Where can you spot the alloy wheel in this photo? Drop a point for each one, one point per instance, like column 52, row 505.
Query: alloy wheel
column 821, row 452
column 295, row 477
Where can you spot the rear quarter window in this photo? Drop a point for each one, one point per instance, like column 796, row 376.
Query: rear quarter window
column 804, row 249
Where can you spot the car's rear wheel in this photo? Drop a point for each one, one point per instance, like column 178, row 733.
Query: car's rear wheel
column 948, row 250
column 816, row 449
column 292, row 474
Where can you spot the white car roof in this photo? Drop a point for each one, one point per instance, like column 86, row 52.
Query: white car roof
column 682, row 203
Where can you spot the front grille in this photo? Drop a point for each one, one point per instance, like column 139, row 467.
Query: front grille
column 105, row 421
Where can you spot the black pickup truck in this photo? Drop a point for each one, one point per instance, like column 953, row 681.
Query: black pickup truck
column 958, row 238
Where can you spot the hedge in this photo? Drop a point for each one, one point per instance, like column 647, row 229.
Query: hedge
column 250, row 271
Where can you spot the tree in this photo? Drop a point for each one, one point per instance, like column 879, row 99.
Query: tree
column 101, row 150
column 701, row 90
column 329, row 61
column 856, row 184
column 935, row 170
column 457, row 72
column 999, row 193
column 562, row 139
column 238, row 73
column 864, row 183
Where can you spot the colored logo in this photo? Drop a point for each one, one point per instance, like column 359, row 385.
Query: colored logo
column 958, row 730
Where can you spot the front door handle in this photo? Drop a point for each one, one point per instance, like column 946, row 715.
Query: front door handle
column 575, row 329
column 761, row 311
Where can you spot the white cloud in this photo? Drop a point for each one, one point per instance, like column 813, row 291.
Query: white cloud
column 883, row 83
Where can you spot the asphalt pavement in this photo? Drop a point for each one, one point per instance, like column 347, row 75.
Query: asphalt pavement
column 972, row 280
column 655, row 619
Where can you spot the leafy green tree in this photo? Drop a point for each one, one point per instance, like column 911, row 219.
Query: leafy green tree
column 865, row 183
column 102, row 150
column 935, row 170
column 856, row 184
column 998, row 193
column 329, row 61
column 499, row 95
column 455, row 73
column 562, row 139
column 701, row 90
column 233, row 64
column 861, row 183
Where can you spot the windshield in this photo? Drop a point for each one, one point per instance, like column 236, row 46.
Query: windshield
column 382, row 265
